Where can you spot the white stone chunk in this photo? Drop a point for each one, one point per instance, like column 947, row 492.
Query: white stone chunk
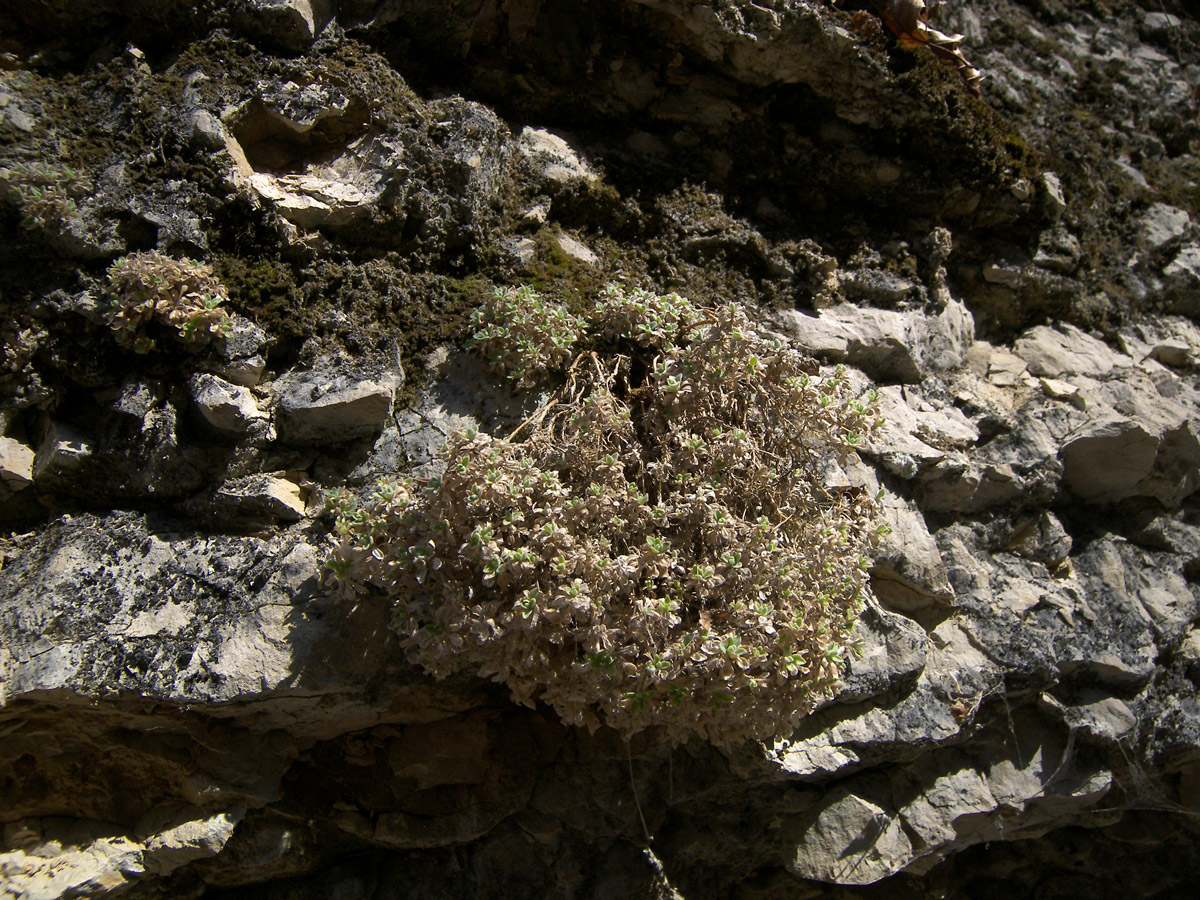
column 1004, row 369
column 1162, row 223
column 1067, row 351
column 63, row 449
column 316, row 409
column 226, row 407
column 553, row 157
column 1104, row 460
column 16, row 464
column 576, row 250
column 853, row 841
column 263, row 496
column 889, row 345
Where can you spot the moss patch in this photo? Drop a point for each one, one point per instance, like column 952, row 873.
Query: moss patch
column 967, row 140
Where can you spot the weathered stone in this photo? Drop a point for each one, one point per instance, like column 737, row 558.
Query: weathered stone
column 1177, row 354
column 908, row 573
column 888, row 345
column 816, row 335
column 552, row 158
column 72, row 865
column 10, row 111
column 1054, row 201
column 332, row 409
column 226, row 407
column 1042, row 538
column 289, row 24
column 1162, row 223
column 1056, row 389
column 137, row 397
column 1028, row 728
column 1066, row 351
column 311, row 154
column 576, row 250
column 1058, row 250
column 1114, row 458
column 310, row 201
column 1107, row 719
column 261, row 497
column 240, row 351
column 870, row 827
column 1007, row 275
column 1182, row 280
column 63, row 449
column 223, row 625
column 1005, row 369
column 853, row 840
column 207, row 129
column 522, row 251
column 878, row 287
column 919, row 434
column 16, row 464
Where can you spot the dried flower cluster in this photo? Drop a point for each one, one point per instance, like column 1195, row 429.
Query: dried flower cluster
column 659, row 550
column 150, row 290
column 46, row 193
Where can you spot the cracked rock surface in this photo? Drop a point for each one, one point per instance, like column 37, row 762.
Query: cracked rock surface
column 186, row 710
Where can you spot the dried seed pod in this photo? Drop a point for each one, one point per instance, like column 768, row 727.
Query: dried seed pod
column 909, row 21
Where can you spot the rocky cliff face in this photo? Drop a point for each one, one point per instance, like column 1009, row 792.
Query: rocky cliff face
column 185, row 710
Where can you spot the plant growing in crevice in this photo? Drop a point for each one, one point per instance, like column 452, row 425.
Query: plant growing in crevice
column 660, row 548
column 46, row 193
column 150, row 291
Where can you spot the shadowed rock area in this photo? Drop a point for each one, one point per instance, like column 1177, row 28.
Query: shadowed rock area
column 187, row 708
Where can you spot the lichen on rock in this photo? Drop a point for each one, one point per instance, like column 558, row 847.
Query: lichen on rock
column 189, row 710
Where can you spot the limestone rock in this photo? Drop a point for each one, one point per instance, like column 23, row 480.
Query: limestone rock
column 1162, row 223
column 312, row 154
column 187, row 620
column 63, row 450
column 332, row 409
column 576, row 250
column 889, row 345
column 240, row 352
column 1182, row 280
column 289, row 24
column 10, row 111
column 908, row 573
column 919, row 431
column 260, row 498
column 1105, row 460
column 852, row 840
column 878, row 287
column 311, row 201
column 226, row 407
column 72, row 865
column 1114, row 458
column 1005, row 369
column 189, row 705
column 552, row 158
column 16, row 464
column 1066, row 351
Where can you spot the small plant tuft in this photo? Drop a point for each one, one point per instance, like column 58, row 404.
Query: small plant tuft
column 523, row 334
column 45, row 192
column 151, row 292
column 661, row 549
